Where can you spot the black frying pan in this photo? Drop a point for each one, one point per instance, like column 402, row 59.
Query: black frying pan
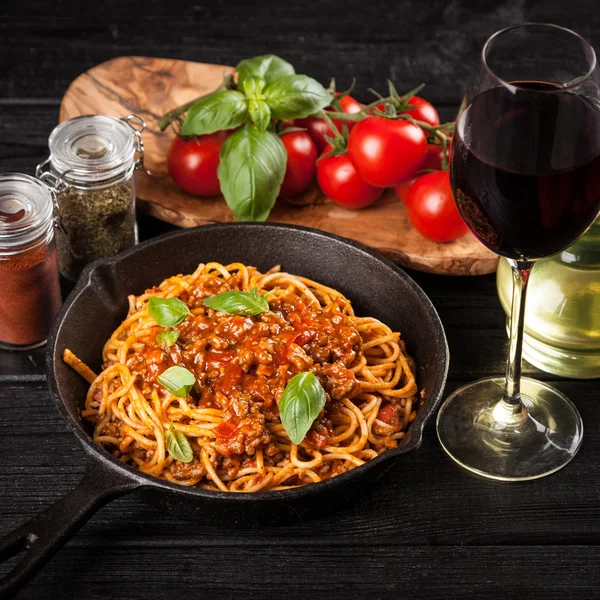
column 99, row 303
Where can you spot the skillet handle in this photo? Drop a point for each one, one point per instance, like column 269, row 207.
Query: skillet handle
column 45, row 534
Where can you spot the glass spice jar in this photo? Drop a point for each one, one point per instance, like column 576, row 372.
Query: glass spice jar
column 91, row 164
column 29, row 286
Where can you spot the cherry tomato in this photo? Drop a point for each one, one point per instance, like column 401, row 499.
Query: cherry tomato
column 350, row 106
column 286, row 124
column 192, row 163
column 317, row 128
column 316, row 439
column 424, row 111
column 388, row 414
column 299, row 338
column 433, row 161
column 432, row 210
column 386, row 152
column 433, row 158
column 226, row 429
column 340, row 182
column 301, row 163
column 402, row 188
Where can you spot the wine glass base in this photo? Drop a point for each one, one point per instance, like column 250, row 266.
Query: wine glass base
column 546, row 437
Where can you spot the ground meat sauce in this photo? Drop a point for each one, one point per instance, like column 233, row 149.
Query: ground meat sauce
column 243, row 364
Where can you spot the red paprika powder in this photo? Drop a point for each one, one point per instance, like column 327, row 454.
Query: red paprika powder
column 29, row 285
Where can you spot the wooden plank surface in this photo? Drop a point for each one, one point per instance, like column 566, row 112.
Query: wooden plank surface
column 381, row 571
column 426, row 517
column 424, row 500
column 150, row 87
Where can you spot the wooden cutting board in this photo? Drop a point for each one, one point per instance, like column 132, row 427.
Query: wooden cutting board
column 149, row 87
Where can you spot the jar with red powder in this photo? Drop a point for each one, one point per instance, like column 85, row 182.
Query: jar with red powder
column 29, row 285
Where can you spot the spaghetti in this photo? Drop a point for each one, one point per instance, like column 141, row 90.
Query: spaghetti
column 242, row 365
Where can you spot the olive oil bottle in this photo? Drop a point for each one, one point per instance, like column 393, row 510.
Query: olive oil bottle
column 562, row 318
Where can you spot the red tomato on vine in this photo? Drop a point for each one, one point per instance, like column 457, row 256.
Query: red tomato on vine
column 431, row 208
column 192, row 163
column 340, row 182
column 386, row 152
column 318, row 128
column 423, row 111
column 301, row 163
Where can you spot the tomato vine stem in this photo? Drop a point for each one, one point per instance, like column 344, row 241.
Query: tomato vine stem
column 438, row 131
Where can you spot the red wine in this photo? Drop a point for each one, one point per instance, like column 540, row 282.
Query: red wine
column 525, row 168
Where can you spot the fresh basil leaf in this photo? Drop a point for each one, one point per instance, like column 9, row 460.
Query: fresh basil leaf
column 222, row 110
column 268, row 66
column 247, row 304
column 253, row 87
column 168, row 312
column 167, row 338
column 251, row 170
column 178, row 445
column 296, row 96
column 177, row 380
column 299, row 406
column 260, row 113
column 258, row 109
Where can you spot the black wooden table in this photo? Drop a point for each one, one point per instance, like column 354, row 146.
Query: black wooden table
column 427, row 530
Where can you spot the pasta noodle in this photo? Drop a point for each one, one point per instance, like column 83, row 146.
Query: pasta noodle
column 242, row 365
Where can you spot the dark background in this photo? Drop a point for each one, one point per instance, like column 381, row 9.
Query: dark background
column 428, row 530
column 46, row 44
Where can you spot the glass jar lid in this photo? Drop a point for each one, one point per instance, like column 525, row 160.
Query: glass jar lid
column 26, row 210
column 91, row 149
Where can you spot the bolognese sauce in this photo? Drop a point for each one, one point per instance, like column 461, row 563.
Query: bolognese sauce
column 241, row 366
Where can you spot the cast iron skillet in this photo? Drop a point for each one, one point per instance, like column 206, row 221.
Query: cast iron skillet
column 99, row 303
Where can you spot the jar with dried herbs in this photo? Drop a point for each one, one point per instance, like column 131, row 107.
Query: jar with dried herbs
column 91, row 165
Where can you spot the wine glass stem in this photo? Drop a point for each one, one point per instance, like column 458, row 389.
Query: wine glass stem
column 510, row 408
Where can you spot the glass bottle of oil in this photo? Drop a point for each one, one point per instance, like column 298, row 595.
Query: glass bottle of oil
column 562, row 318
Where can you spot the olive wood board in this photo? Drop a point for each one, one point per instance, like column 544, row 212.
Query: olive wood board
column 149, row 87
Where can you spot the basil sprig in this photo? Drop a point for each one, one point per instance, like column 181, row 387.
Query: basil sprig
column 295, row 96
column 267, row 67
column 253, row 160
column 299, row 406
column 177, row 380
column 178, row 445
column 222, row 110
column 167, row 338
column 251, row 170
column 168, row 312
column 247, row 304
column 258, row 109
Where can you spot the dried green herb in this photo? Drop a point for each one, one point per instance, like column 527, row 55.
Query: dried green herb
column 98, row 223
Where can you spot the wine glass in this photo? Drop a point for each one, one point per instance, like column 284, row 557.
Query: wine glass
column 525, row 172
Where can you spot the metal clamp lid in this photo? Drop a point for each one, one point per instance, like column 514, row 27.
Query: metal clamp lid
column 95, row 150
column 138, row 125
column 57, row 186
column 27, row 211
